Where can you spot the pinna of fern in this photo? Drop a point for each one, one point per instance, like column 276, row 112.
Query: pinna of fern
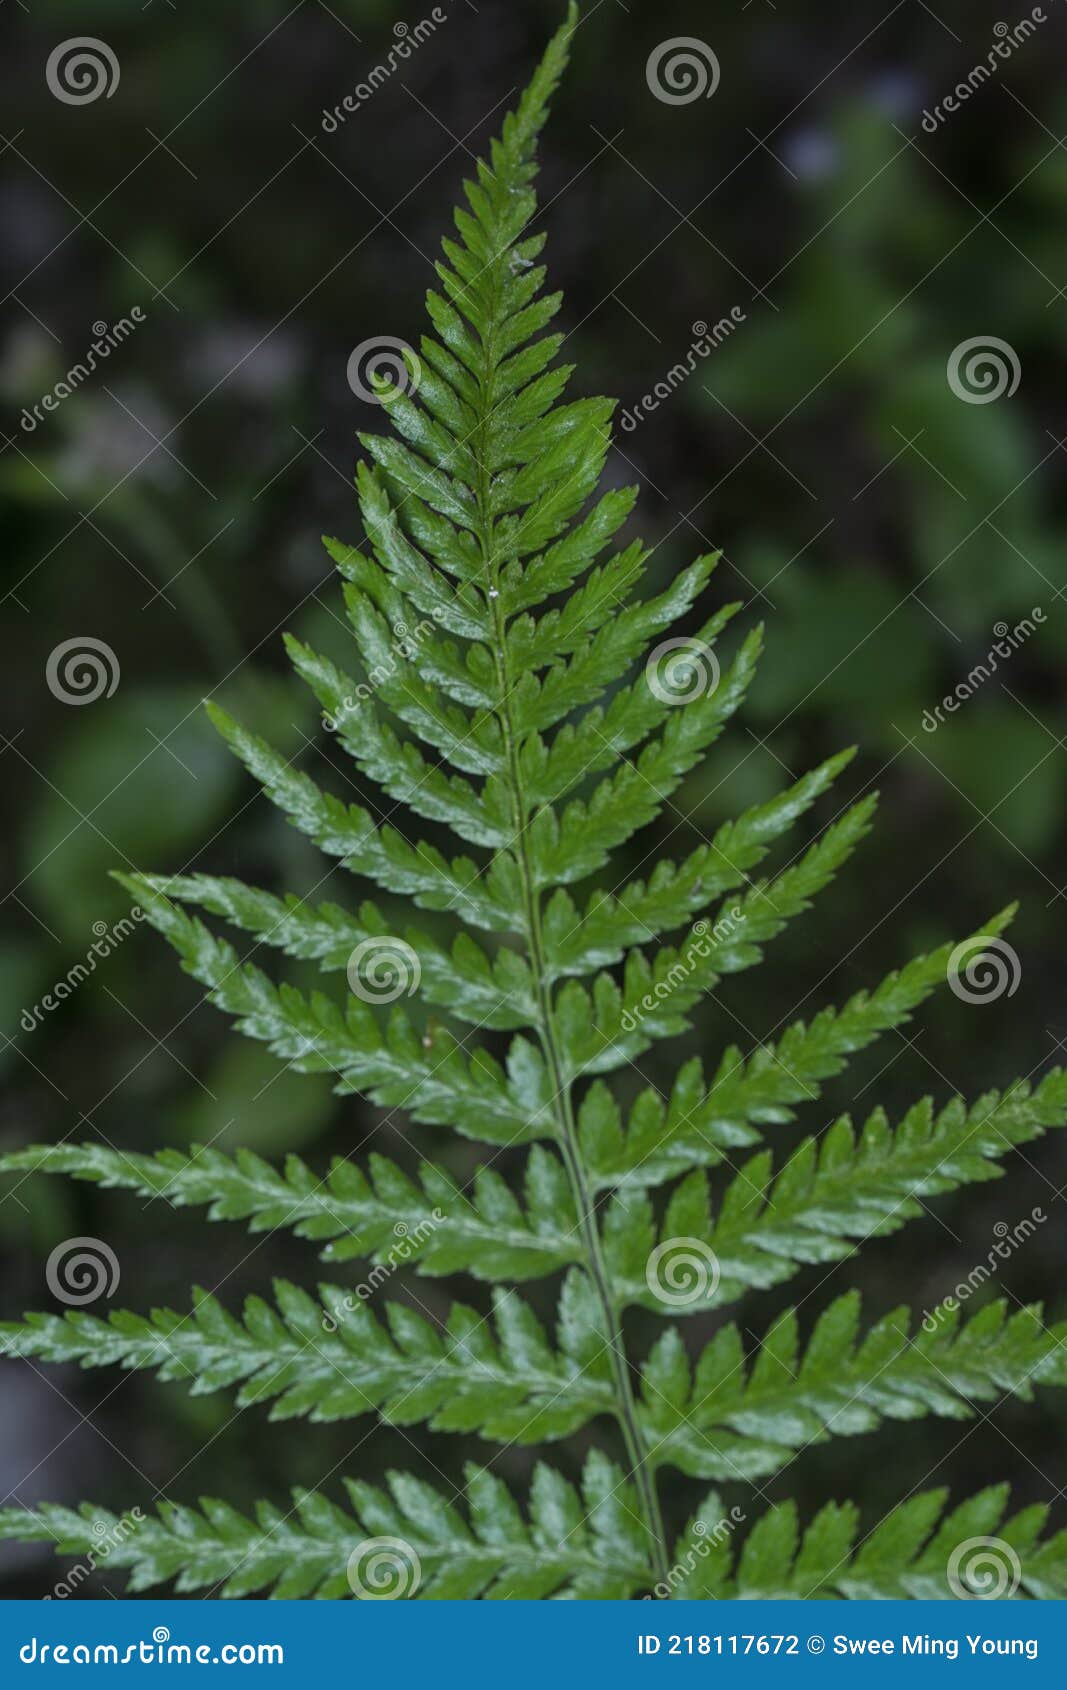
column 543, row 718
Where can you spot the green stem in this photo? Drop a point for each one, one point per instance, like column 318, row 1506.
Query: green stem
column 563, row 1104
column 567, row 1133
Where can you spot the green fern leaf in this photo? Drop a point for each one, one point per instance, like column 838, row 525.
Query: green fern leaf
column 728, row 1419
column 332, row 1360
column 407, row 1541
column 906, row 1555
column 428, row 1222
column 506, row 685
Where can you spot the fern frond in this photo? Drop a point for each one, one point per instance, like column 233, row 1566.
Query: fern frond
column 697, row 1124
column 434, row 1077
column 607, row 1025
column 430, row 1223
column 332, row 1360
column 643, row 910
column 550, row 768
column 830, row 1196
column 907, row 1555
column 499, row 685
column 495, row 992
column 349, row 832
column 733, row 1419
column 572, row 845
column 397, row 766
column 560, row 565
column 584, row 1546
column 587, row 1546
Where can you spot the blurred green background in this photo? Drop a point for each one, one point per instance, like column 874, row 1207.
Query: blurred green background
column 171, row 508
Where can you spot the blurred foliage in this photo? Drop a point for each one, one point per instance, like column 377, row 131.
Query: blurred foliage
column 171, row 507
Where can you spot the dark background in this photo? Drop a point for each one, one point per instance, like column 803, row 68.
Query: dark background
column 172, row 509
